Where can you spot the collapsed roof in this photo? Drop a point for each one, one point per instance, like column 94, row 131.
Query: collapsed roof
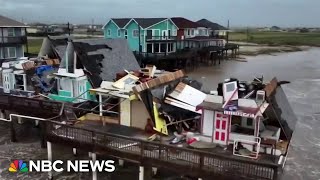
column 54, row 47
column 102, row 58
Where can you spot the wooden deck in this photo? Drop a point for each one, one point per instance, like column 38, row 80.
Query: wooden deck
column 130, row 144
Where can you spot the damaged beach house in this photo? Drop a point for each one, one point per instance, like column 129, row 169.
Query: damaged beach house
column 101, row 100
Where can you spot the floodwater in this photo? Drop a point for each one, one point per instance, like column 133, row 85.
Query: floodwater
column 301, row 68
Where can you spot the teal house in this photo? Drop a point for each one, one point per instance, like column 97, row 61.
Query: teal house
column 157, row 35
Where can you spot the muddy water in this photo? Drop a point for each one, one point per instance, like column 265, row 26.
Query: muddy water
column 303, row 70
column 303, row 163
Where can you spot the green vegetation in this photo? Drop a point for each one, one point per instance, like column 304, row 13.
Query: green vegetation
column 277, row 38
column 34, row 45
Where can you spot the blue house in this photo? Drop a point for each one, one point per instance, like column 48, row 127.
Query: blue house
column 157, row 35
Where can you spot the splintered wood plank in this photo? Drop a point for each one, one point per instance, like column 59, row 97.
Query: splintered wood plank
column 188, row 94
column 163, row 79
column 271, row 86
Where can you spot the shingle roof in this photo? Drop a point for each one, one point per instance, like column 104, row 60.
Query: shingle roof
column 103, row 58
column 212, row 25
column 183, row 23
column 7, row 22
column 147, row 22
column 121, row 22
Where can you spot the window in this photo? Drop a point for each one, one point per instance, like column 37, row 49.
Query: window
column 249, row 122
column 11, row 32
column 188, row 32
column 11, row 52
column 192, row 32
column 156, row 47
column 109, row 32
column 170, row 47
column 174, row 33
column 163, row 47
column 135, row 33
column 230, row 87
column 169, row 33
column 119, row 33
column 149, row 48
column 126, row 34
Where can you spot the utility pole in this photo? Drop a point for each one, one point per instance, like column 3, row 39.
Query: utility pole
column 69, row 28
column 247, row 34
column 92, row 22
column 228, row 32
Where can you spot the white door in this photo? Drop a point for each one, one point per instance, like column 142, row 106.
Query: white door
column 220, row 132
column 82, row 89
column 8, row 80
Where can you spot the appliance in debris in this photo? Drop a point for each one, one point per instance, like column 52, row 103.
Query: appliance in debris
column 261, row 95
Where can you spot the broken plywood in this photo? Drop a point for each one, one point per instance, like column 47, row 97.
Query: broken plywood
column 127, row 80
column 96, row 117
column 139, row 120
column 163, row 79
column 188, row 94
column 271, row 86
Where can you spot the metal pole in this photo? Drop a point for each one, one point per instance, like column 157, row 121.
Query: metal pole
column 228, row 32
column 94, row 173
column 141, row 173
column 140, row 48
column 69, row 28
column 3, row 48
column 49, row 149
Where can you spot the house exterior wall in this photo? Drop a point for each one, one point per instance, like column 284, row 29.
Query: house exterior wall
column 10, row 43
column 113, row 28
column 180, row 33
column 163, row 26
column 69, row 89
column 133, row 41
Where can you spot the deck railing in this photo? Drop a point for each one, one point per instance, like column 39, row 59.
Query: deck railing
column 158, row 153
column 159, row 38
column 13, row 40
column 30, row 106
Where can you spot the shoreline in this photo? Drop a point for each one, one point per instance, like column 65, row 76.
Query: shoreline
column 255, row 50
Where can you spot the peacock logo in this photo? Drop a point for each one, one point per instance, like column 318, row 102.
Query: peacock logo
column 18, row 166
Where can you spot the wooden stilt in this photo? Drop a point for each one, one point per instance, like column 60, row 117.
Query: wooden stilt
column 12, row 132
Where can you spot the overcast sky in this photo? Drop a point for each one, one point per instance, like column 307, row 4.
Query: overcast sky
column 284, row 13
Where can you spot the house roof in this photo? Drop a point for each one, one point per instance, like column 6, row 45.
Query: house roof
column 103, row 58
column 212, row 25
column 143, row 22
column 7, row 22
column 147, row 22
column 121, row 22
column 54, row 46
column 280, row 109
column 183, row 23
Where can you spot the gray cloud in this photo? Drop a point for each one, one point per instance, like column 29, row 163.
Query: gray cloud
column 239, row 12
